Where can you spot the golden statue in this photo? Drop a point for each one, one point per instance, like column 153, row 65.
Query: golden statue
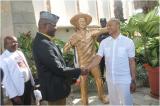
column 83, row 41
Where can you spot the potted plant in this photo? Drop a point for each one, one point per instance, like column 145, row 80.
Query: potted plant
column 147, row 26
column 25, row 44
column 152, row 66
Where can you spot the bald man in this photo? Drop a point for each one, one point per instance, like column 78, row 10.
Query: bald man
column 119, row 52
column 18, row 80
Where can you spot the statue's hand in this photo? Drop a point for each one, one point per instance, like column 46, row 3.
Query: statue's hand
column 73, row 40
column 66, row 48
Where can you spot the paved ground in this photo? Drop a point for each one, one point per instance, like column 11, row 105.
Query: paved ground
column 140, row 97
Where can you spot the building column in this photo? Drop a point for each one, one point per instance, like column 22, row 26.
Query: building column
column 17, row 17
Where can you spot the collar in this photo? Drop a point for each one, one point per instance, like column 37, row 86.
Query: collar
column 119, row 37
column 6, row 53
column 50, row 38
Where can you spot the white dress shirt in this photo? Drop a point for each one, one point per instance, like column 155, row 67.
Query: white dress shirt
column 117, row 53
column 22, row 64
column 14, row 77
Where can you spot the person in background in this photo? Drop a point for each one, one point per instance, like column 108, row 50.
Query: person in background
column 54, row 77
column 119, row 52
column 101, row 37
column 18, row 80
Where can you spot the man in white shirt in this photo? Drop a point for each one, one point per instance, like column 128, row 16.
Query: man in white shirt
column 119, row 52
column 18, row 80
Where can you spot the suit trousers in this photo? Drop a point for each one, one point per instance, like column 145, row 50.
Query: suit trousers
column 26, row 97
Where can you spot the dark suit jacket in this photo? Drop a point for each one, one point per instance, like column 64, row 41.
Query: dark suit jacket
column 52, row 71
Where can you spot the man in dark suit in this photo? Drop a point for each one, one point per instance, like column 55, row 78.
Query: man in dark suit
column 54, row 76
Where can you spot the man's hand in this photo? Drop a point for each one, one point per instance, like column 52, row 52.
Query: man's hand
column 95, row 62
column 17, row 99
column 133, row 86
column 84, row 73
column 77, row 82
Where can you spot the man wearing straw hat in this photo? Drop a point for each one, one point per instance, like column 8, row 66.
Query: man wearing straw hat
column 83, row 41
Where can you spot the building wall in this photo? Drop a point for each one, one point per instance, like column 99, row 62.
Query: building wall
column 6, row 27
column 23, row 17
column 64, row 33
column 16, row 17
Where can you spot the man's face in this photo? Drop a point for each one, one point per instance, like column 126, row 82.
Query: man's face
column 113, row 27
column 82, row 23
column 12, row 44
column 51, row 29
column 103, row 23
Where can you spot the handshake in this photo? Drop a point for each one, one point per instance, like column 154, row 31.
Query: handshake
column 84, row 71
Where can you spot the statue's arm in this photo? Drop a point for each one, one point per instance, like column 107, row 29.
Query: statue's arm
column 99, row 31
column 71, row 43
column 67, row 47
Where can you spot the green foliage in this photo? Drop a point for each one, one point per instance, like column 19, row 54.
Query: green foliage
column 144, row 30
column 141, row 75
column 68, row 57
column 25, row 44
column 59, row 42
column 146, row 24
column 153, row 51
column 147, row 43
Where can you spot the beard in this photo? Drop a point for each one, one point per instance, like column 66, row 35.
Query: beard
column 51, row 33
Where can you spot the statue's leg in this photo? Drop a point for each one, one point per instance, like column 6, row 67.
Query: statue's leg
column 84, row 90
column 99, row 83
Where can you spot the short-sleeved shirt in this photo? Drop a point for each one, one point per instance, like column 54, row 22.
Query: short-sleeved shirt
column 85, row 46
column 117, row 53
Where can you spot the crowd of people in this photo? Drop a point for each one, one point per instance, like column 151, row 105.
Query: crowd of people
column 116, row 55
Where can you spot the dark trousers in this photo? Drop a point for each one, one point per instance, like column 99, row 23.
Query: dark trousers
column 1, row 103
column 102, row 68
column 26, row 97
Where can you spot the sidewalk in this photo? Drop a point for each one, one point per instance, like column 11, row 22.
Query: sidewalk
column 140, row 97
